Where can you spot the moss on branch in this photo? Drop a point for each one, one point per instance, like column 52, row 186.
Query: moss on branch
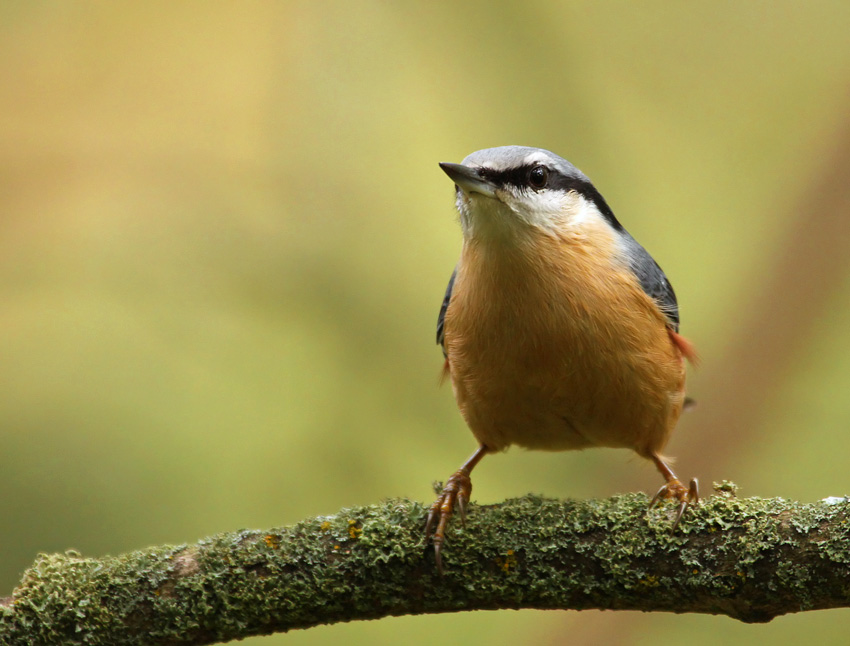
column 751, row 559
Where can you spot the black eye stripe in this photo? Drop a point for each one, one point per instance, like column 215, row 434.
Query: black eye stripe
column 558, row 181
column 514, row 176
column 519, row 177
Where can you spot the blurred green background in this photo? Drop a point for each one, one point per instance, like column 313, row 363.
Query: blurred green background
column 224, row 239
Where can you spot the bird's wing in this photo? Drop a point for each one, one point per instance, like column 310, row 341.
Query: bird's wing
column 441, row 319
column 653, row 281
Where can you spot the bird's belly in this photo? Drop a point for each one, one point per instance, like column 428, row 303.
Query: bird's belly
column 560, row 349
column 525, row 418
column 583, row 387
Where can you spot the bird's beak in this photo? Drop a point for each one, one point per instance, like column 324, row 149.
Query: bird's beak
column 468, row 179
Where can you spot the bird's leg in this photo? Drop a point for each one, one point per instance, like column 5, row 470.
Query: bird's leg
column 673, row 488
column 456, row 492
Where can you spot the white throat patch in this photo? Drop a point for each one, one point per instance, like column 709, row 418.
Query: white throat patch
column 550, row 211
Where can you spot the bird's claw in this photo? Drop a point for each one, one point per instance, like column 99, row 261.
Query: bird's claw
column 456, row 492
column 685, row 495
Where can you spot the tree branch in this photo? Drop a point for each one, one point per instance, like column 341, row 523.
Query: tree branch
column 751, row 559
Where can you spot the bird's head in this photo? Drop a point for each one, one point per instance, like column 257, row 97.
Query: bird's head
column 510, row 191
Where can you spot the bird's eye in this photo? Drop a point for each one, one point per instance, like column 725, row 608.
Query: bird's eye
column 538, row 176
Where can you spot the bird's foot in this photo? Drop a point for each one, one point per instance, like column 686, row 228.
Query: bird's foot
column 685, row 495
column 455, row 493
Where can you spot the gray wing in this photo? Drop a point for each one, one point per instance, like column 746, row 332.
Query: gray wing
column 653, row 281
column 441, row 319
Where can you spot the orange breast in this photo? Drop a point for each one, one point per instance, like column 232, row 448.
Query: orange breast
column 552, row 344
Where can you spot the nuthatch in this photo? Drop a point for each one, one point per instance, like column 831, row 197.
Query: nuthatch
column 559, row 330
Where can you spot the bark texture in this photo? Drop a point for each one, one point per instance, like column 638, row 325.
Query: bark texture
column 751, row 559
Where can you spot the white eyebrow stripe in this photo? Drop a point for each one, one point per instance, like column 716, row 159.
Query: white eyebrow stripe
column 537, row 157
column 499, row 165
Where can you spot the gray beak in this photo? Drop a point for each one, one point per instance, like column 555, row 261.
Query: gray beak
column 468, row 179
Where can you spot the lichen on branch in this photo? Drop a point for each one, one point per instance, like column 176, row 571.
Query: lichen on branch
column 751, row 559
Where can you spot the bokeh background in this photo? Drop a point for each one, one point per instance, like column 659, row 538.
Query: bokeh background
column 224, row 239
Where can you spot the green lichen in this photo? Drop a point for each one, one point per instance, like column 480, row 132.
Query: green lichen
column 751, row 559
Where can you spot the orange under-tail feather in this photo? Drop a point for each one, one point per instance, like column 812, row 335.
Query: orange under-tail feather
column 445, row 372
column 685, row 347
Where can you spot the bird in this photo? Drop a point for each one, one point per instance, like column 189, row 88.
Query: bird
column 558, row 329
